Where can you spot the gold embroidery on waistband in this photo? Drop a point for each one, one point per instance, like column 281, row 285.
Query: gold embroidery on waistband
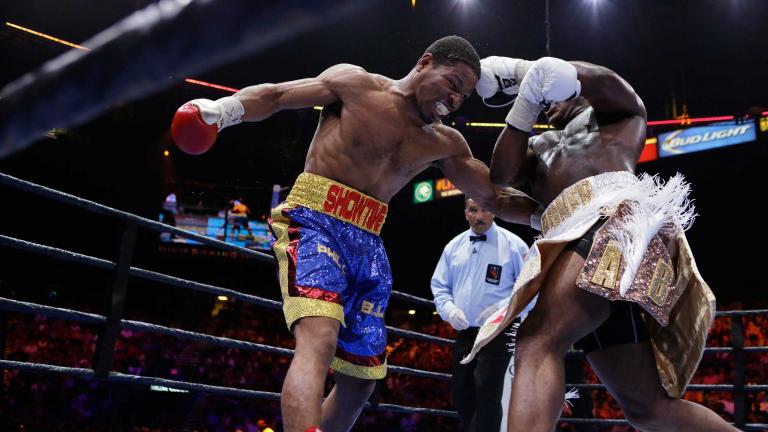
column 565, row 204
column 339, row 201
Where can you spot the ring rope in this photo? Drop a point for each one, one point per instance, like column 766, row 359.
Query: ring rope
column 689, row 387
column 201, row 287
column 94, row 207
column 413, row 299
column 60, row 254
column 65, row 255
column 198, row 387
column 272, row 304
column 736, row 313
column 63, row 197
column 623, row 422
column 181, row 283
column 97, row 208
column 229, row 391
column 89, row 318
column 159, row 277
column 134, row 57
column 68, row 314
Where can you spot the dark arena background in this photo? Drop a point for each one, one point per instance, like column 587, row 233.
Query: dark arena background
column 87, row 100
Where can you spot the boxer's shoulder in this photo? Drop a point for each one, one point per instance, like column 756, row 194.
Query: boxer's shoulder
column 346, row 77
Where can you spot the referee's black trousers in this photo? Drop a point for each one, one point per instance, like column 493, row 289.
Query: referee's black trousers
column 477, row 387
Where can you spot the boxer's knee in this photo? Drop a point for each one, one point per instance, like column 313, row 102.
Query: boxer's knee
column 316, row 336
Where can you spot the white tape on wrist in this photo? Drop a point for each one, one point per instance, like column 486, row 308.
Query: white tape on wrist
column 522, row 68
column 231, row 111
column 523, row 114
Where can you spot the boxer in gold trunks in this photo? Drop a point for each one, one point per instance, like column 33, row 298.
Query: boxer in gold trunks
column 612, row 268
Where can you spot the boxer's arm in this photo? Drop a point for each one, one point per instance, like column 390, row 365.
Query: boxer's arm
column 261, row 101
column 608, row 93
column 472, row 177
column 512, row 160
column 615, row 102
column 196, row 124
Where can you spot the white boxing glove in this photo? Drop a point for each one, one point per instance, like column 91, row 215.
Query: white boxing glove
column 456, row 317
column 501, row 76
column 548, row 80
column 227, row 111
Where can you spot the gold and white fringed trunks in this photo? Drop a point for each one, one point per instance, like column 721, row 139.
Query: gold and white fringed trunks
column 640, row 255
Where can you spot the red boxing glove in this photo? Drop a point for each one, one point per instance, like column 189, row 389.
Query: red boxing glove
column 198, row 122
column 190, row 133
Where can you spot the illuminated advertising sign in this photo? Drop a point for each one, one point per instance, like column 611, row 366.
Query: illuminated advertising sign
column 445, row 188
column 650, row 151
column 683, row 141
column 433, row 189
column 423, row 192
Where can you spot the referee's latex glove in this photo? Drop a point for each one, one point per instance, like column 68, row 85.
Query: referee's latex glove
column 456, row 317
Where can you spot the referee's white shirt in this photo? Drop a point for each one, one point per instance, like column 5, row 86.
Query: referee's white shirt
column 475, row 276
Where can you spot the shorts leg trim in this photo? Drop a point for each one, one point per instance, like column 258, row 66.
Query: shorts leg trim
column 357, row 371
column 300, row 307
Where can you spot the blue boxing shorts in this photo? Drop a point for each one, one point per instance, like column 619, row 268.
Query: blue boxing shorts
column 332, row 263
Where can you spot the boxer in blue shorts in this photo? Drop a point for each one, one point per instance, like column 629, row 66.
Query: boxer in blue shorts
column 375, row 134
column 336, row 266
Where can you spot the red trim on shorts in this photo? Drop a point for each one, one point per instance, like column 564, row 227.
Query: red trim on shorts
column 315, row 293
column 367, row 361
column 292, row 250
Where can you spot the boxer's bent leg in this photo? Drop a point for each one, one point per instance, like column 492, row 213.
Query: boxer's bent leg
column 345, row 403
column 563, row 314
column 629, row 372
column 312, row 283
column 304, row 384
column 361, row 357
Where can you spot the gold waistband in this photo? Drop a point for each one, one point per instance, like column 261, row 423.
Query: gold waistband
column 573, row 197
column 582, row 193
column 339, row 201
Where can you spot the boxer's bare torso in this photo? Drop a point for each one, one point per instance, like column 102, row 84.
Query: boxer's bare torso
column 374, row 138
column 601, row 131
column 584, row 148
column 375, row 134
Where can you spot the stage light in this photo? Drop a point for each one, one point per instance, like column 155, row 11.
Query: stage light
column 166, row 153
column 45, row 36
column 688, row 121
column 411, row 312
column 211, row 85
column 222, row 298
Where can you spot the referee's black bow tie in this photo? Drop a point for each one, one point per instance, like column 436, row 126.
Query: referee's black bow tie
column 473, row 239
